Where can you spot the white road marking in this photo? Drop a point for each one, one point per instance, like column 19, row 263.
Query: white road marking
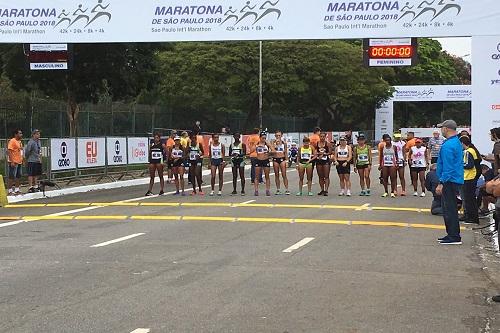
column 118, row 240
column 298, row 245
column 141, row 330
column 247, row 202
column 365, row 206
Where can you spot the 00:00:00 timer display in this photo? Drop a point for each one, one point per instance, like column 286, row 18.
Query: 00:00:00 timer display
column 391, row 52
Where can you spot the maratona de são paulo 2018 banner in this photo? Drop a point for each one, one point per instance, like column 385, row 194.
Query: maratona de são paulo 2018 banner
column 26, row 21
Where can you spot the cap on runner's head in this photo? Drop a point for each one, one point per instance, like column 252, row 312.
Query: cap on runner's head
column 397, row 135
column 177, row 138
column 343, row 138
column 451, row 124
column 361, row 137
column 418, row 140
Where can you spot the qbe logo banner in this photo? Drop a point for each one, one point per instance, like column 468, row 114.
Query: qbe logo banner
column 62, row 154
column 138, row 150
column 91, row 152
column 117, row 151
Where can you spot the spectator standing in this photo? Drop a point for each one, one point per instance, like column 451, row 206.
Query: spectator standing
column 33, row 156
column 450, row 170
column 15, row 160
column 431, row 183
column 435, row 144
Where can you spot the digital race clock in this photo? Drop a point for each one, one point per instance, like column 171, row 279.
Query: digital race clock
column 390, row 52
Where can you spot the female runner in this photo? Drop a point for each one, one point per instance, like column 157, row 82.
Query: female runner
column 261, row 163
column 343, row 157
column 156, row 154
column 237, row 151
column 388, row 158
column 217, row 164
column 280, row 161
column 323, row 163
column 177, row 155
column 306, row 156
column 196, row 154
column 363, row 164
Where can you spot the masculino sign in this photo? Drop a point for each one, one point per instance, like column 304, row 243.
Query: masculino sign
column 74, row 21
column 62, row 154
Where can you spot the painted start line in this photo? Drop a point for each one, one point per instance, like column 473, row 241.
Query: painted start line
column 179, row 218
column 366, row 207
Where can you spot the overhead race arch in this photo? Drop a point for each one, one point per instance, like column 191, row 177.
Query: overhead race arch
column 76, row 21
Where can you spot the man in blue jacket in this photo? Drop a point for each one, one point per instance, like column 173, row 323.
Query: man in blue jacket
column 450, row 170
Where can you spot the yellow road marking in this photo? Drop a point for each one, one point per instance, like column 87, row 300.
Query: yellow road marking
column 233, row 205
column 230, row 219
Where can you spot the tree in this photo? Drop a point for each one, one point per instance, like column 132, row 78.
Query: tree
column 121, row 70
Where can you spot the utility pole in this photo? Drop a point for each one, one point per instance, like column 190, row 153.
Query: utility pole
column 260, row 85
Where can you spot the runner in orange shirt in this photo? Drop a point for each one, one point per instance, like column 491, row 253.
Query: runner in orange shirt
column 170, row 144
column 314, row 138
column 253, row 140
column 15, row 159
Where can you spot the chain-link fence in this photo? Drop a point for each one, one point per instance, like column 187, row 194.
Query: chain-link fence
column 51, row 117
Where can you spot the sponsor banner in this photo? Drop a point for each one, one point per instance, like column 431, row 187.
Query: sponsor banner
column 76, row 21
column 486, row 102
column 91, row 152
column 62, row 154
column 138, row 150
column 116, row 151
column 451, row 93
column 48, row 47
column 426, row 132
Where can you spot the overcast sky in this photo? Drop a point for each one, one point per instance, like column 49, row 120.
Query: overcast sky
column 459, row 46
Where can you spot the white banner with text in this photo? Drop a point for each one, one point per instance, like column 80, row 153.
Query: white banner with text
column 62, row 154
column 116, row 151
column 76, row 21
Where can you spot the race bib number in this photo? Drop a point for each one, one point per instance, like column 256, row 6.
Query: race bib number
column 305, row 156
column 363, row 158
column 193, row 155
column 388, row 160
column 280, row 149
column 156, row 155
column 418, row 163
column 216, row 154
column 261, row 150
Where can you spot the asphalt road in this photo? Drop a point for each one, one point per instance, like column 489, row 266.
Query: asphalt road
column 113, row 261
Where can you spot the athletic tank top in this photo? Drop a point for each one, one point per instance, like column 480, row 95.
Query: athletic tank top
column 305, row 154
column 194, row 153
column 400, row 148
column 155, row 153
column 261, row 149
column 389, row 156
column 418, row 157
column 280, row 148
column 237, row 150
column 363, row 155
column 323, row 150
column 216, row 151
column 177, row 153
column 342, row 153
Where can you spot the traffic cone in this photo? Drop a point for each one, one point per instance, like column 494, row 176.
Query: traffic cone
column 3, row 193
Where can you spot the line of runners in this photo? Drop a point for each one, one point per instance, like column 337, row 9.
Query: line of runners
column 185, row 155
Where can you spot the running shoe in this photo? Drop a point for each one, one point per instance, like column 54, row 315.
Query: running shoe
column 219, row 193
column 299, row 194
column 287, row 192
column 201, row 193
column 278, row 192
column 212, row 193
column 321, row 193
column 325, row 193
column 393, row 195
column 161, row 193
column 362, row 193
column 415, row 194
column 442, row 239
column 385, row 195
column 368, row 192
column 149, row 193
column 234, row 193
column 177, row 193
column 422, row 195
column 450, row 241
column 256, row 193
column 348, row 193
column 341, row 194
column 193, row 193
column 310, row 194
column 403, row 193
column 242, row 193
column 268, row 193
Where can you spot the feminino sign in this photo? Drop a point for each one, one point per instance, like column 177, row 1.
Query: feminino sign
column 73, row 21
